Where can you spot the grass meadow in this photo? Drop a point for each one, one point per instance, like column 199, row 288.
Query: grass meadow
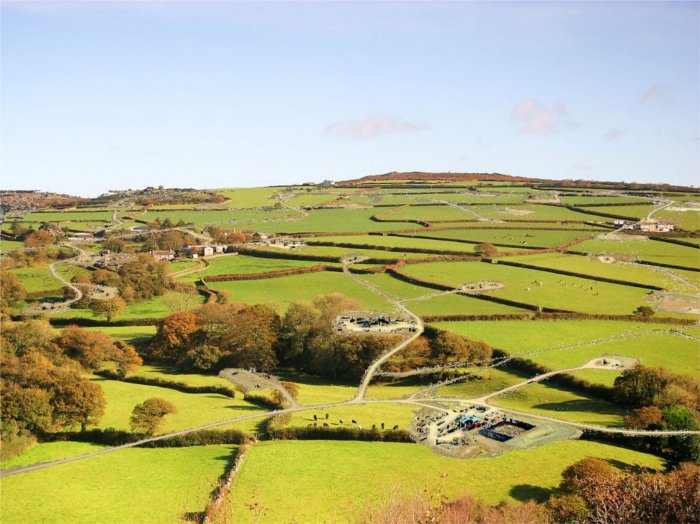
column 592, row 266
column 524, row 237
column 193, row 409
column 654, row 348
column 361, row 474
column 131, row 485
column 523, row 285
column 647, row 250
column 282, row 291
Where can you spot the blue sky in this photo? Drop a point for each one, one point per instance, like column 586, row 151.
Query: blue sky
column 106, row 95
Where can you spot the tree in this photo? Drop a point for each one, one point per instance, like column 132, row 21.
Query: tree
column 148, row 416
column 11, row 290
column 640, row 386
column 145, row 278
column 93, row 348
column 633, row 498
column 19, row 338
column 110, row 309
column 175, row 333
column 486, row 250
column 569, row 508
column 115, row 245
column 683, row 448
column 40, row 238
column 644, row 312
column 291, row 387
column 644, row 418
column 586, row 471
column 203, row 357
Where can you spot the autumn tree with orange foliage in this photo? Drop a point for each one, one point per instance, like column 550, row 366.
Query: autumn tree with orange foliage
column 40, row 238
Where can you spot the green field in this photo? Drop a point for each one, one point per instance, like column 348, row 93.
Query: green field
column 169, row 372
column 640, row 211
column 655, row 348
column 550, row 401
column 398, row 242
column 648, row 250
column 193, row 409
column 592, row 266
column 578, row 200
column 9, row 245
column 250, row 196
column 366, row 416
column 334, row 220
column 315, row 390
column 37, row 279
column 240, row 218
column 338, row 252
column 241, row 264
column 688, row 220
column 452, row 304
column 556, row 291
column 282, row 291
column 69, row 216
column 156, row 307
column 126, row 486
column 364, row 473
column 521, row 237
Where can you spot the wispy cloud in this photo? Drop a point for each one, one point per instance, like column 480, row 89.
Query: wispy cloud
column 654, row 92
column 533, row 117
column 614, row 134
column 372, row 127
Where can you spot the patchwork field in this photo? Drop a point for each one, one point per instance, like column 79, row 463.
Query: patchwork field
column 569, row 343
column 538, row 288
column 593, row 266
column 335, row 481
column 647, row 250
column 520, row 237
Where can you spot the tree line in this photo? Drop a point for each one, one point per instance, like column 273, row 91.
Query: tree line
column 216, row 336
column 43, row 383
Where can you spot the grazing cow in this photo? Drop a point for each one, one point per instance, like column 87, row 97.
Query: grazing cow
column 315, row 417
column 382, row 425
column 326, row 416
column 354, row 421
column 395, row 427
column 325, row 425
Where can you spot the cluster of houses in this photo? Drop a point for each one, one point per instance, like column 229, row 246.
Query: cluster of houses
column 190, row 251
column 660, row 225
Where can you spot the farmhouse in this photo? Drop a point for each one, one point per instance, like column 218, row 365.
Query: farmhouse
column 196, row 250
column 163, row 255
column 654, row 226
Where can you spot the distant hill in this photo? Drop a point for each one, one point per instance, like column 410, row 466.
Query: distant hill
column 452, row 177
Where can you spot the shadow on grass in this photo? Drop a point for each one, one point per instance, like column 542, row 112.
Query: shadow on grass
column 526, row 492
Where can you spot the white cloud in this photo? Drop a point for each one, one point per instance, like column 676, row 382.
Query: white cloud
column 614, row 134
column 533, row 117
column 655, row 91
column 372, row 127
